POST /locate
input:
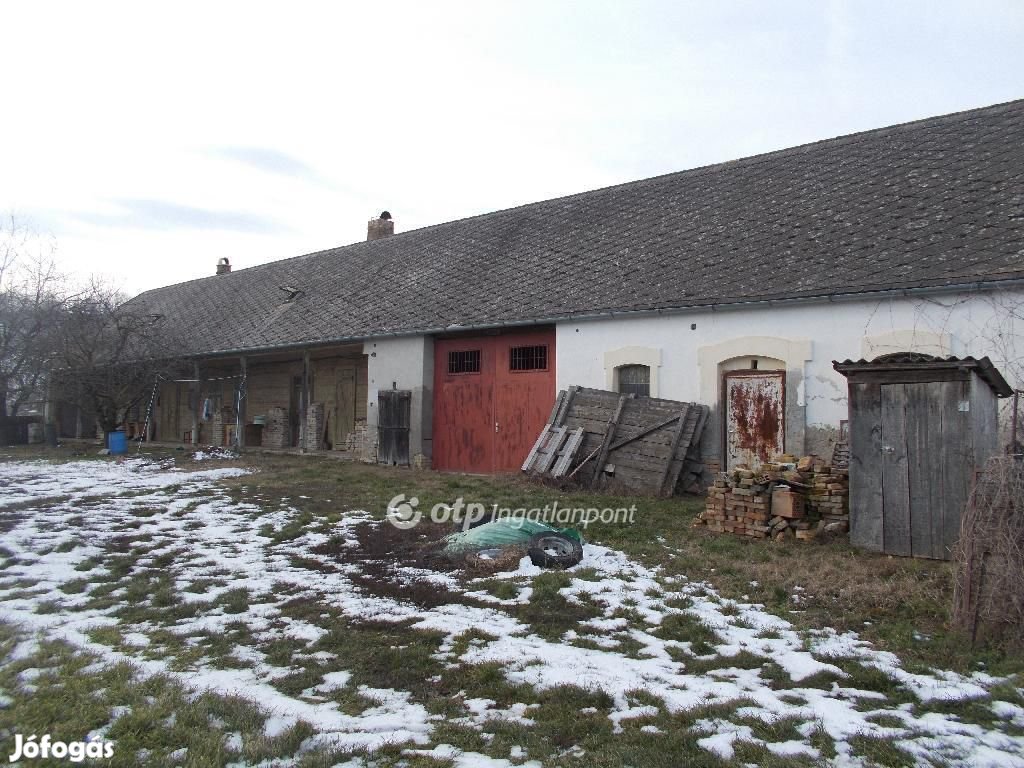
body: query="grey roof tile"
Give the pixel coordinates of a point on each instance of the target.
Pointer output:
(929, 203)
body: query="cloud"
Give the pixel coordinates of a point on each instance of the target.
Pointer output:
(269, 160)
(166, 216)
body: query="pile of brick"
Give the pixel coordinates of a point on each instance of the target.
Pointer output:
(828, 497)
(736, 504)
(784, 499)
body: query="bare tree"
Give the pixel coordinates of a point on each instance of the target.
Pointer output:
(32, 295)
(110, 353)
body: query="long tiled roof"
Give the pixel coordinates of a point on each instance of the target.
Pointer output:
(932, 203)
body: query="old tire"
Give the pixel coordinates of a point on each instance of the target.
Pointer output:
(554, 550)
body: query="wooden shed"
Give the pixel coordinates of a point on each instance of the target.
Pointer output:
(920, 427)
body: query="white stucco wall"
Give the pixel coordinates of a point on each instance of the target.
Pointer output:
(403, 363)
(807, 337)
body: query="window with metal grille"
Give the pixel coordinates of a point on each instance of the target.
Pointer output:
(467, 361)
(635, 380)
(529, 358)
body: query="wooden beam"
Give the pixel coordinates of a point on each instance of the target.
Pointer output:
(197, 392)
(243, 384)
(644, 433)
(672, 454)
(606, 444)
(304, 405)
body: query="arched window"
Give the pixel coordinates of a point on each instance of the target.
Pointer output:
(634, 379)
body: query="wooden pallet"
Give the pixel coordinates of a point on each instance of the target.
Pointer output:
(648, 444)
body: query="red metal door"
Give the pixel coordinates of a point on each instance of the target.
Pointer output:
(755, 424)
(524, 383)
(492, 396)
(464, 404)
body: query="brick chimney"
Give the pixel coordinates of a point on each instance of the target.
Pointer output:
(380, 227)
(223, 266)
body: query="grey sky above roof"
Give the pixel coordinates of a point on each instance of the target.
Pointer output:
(436, 111)
(932, 203)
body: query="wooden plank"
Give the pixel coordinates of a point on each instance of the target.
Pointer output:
(922, 468)
(589, 425)
(953, 453)
(549, 451)
(932, 464)
(865, 466)
(895, 478)
(694, 427)
(667, 472)
(536, 448)
(568, 453)
(556, 408)
(565, 406)
(644, 432)
(609, 435)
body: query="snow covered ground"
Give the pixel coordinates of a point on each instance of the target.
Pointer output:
(227, 558)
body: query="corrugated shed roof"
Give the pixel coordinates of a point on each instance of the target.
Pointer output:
(931, 203)
(984, 367)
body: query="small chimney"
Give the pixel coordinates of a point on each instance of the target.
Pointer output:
(380, 227)
(223, 266)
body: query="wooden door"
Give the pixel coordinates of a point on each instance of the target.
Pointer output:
(755, 423)
(345, 415)
(924, 464)
(492, 397)
(394, 407)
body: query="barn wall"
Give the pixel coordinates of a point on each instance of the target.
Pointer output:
(268, 386)
(808, 337)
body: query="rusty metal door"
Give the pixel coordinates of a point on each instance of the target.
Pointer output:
(755, 423)
(492, 396)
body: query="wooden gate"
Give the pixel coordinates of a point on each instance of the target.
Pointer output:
(755, 423)
(394, 407)
(492, 397)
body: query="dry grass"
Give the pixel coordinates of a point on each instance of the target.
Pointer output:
(989, 603)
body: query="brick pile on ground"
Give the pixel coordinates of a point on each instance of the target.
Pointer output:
(778, 501)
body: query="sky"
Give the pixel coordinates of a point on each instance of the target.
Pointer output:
(149, 140)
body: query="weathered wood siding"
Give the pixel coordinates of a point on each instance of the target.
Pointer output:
(915, 446)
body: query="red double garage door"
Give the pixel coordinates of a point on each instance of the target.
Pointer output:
(492, 397)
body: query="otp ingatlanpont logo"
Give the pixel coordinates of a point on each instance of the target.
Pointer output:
(403, 514)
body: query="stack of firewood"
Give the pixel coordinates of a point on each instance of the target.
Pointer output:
(784, 499)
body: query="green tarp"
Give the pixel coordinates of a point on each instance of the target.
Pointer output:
(509, 532)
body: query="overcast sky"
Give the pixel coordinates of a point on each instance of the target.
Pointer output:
(152, 139)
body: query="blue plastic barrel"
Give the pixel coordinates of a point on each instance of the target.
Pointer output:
(117, 442)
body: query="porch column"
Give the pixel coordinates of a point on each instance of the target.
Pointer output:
(304, 403)
(197, 388)
(240, 416)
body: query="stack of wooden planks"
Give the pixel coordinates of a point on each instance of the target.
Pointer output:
(646, 444)
(779, 500)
